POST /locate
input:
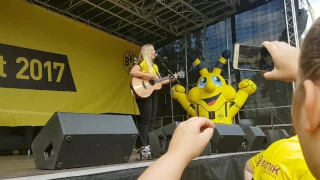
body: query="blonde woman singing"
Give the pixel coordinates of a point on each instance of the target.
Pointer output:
(146, 68)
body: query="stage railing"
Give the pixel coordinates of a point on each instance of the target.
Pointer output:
(282, 124)
(275, 107)
(159, 120)
(275, 125)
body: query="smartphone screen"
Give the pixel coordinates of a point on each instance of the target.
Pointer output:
(254, 58)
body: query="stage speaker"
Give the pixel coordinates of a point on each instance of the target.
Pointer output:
(283, 134)
(157, 141)
(271, 137)
(227, 138)
(246, 123)
(169, 130)
(207, 150)
(254, 138)
(71, 140)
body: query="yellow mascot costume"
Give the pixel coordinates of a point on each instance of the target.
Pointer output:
(212, 97)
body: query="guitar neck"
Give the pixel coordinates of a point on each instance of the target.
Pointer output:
(161, 79)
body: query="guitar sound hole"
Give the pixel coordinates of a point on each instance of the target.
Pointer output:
(151, 82)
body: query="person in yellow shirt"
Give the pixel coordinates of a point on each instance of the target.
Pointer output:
(281, 160)
(147, 69)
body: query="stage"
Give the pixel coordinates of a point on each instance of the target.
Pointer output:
(226, 166)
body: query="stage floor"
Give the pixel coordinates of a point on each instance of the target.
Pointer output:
(22, 167)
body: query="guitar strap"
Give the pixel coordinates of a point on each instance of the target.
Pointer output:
(156, 71)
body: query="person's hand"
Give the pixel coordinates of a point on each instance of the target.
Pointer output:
(285, 58)
(190, 138)
(176, 76)
(152, 76)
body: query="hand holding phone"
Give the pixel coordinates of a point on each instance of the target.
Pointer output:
(285, 58)
(278, 60)
(252, 58)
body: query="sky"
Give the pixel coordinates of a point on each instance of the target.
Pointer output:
(315, 4)
(316, 7)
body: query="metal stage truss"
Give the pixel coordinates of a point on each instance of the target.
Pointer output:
(146, 21)
(291, 23)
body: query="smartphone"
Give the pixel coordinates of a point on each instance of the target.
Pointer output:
(252, 58)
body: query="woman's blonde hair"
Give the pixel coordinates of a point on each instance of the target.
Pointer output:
(309, 63)
(145, 55)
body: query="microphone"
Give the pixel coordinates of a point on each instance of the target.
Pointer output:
(160, 57)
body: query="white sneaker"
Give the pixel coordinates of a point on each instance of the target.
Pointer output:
(146, 151)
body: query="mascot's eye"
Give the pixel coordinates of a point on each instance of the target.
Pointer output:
(216, 80)
(203, 82)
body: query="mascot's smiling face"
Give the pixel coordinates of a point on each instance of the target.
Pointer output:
(208, 89)
(210, 86)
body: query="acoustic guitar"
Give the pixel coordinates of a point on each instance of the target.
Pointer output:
(143, 88)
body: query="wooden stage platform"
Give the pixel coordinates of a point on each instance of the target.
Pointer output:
(22, 167)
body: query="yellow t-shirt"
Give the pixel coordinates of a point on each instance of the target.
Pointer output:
(145, 69)
(282, 160)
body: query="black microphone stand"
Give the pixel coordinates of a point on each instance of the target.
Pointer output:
(170, 73)
(171, 76)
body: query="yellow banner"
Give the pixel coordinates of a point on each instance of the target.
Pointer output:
(50, 63)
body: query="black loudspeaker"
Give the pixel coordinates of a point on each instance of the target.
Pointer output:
(71, 140)
(254, 138)
(271, 137)
(169, 130)
(207, 150)
(227, 138)
(274, 135)
(159, 139)
(283, 134)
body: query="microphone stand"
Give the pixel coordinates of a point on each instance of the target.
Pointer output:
(170, 73)
(171, 76)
